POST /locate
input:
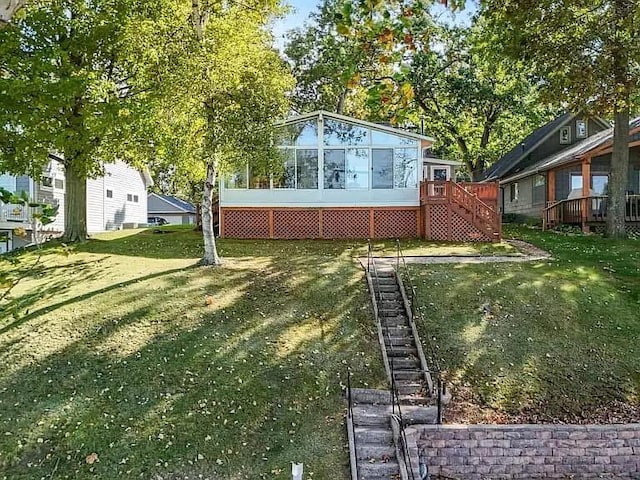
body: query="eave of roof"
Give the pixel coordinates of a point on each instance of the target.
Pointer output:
(512, 158)
(570, 154)
(364, 123)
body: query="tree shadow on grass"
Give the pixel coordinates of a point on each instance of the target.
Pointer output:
(162, 384)
(22, 302)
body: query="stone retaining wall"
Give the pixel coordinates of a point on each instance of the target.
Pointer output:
(531, 451)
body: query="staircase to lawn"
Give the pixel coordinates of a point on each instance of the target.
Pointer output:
(382, 442)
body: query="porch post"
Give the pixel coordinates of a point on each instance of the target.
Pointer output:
(586, 191)
(551, 186)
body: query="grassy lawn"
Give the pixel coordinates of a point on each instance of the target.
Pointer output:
(557, 340)
(418, 247)
(122, 348)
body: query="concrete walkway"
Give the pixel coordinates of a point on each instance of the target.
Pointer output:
(528, 253)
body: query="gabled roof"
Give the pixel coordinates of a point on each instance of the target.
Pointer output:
(176, 202)
(517, 154)
(573, 152)
(364, 123)
(509, 160)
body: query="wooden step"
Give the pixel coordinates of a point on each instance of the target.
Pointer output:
(410, 388)
(395, 321)
(415, 375)
(400, 351)
(404, 340)
(375, 452)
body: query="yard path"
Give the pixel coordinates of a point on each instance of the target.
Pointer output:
(528, 253)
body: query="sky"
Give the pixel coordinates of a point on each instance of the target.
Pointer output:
(300, 10)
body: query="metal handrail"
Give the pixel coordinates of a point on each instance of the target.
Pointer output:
(395, 396)
(417, 312)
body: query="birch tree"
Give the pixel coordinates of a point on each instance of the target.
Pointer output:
(219, 100)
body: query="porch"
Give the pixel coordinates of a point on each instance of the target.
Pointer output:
(460, 212)
(12, 216)
(589, 212)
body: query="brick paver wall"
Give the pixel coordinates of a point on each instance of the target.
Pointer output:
(531, 451)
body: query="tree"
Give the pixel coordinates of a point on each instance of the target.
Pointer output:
(476, 103)
(67, 84)
(216, 109)
(587, 53)
(323, 63)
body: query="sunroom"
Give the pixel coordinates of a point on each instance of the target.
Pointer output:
(341, 178)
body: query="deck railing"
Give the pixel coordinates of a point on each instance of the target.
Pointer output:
(10, 212)
(587, 210)
(481, 214)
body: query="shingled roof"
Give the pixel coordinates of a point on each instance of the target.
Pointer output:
(511, 159)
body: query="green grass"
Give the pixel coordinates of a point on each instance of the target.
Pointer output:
(555, 340)
(114, 350)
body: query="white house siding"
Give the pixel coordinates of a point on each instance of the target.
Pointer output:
(110, 213)
(319, 198)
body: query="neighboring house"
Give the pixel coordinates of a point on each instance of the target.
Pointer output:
(172, 209)
(116, 200)
(347, 178)
(560, 173)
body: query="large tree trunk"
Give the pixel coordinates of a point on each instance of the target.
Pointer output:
(210, 251)
(619, 176)
(75, 204)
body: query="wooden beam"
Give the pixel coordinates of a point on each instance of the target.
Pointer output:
(372, 219)
(586, 177)
(551, 186)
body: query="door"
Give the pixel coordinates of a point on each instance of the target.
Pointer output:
(438, 173)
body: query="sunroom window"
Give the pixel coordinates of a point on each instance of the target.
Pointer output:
(382, 168)
(307, 168)
(342, 133)
(286, 178)
(357, 168)
(405, 167)
(334, 169)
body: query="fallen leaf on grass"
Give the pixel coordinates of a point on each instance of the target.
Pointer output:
(92, 458)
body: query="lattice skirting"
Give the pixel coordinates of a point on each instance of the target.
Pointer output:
(458, 229)
(285, 223)
(631, 228)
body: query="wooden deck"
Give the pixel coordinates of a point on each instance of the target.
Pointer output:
(587, 211)
(460, 211)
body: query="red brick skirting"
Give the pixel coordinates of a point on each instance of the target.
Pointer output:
(531, 451)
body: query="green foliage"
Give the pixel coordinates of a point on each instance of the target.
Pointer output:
(327, 64)
(45, 213)
(68, 85)
(573, 46)
(477, 103)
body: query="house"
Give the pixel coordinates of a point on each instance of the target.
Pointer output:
(560, 173)
(347, 178)
(173, 209)
(118, 199)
